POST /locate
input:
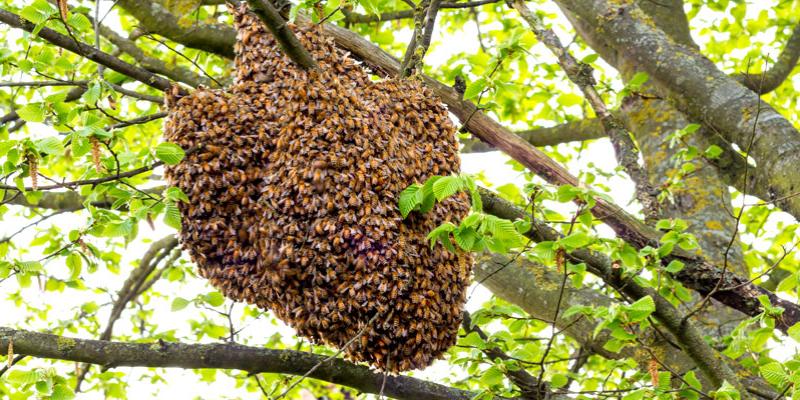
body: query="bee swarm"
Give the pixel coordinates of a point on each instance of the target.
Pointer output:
(293, 186)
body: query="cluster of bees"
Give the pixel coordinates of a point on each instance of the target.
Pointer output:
(293, 184)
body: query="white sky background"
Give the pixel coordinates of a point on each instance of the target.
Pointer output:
(186, 384)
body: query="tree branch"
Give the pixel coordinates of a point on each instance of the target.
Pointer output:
(699, 89)
(132, 288)
(586, 129)
(214, 38)
(355, 18)
(772, 78)
(531, 387)
(277, 25)
(254, 360)
(87, 51)
(690, 338)
(581, 75)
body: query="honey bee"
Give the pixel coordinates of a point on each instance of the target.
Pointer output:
(299, 227)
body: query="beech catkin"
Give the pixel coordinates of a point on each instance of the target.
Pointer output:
(33, 170)
(96, 154)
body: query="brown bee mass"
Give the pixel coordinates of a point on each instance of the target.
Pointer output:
(293, 181)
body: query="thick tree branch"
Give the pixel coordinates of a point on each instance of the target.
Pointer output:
(355, 18)
(176, 73)
(128, 46)
(586, 129)
(689, 337)
(778, 72)
(214, 38)
(87, 51)
(268, 14)
(581, 75)
(531, 387)
(254, 360)
(131, 289)
(703, 92)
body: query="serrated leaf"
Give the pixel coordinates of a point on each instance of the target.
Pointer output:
(576, 240)
(118, 228)
(23, 378)
(80, 22)
(32, 112)
(172, 215)
(50, 145)
(447, 186)
(465, 238)
(62, 392)
(176, 194)
(409, 199)
(641, 309)
(29, 267)
(774, 374)
(475, 88)
(169, 153)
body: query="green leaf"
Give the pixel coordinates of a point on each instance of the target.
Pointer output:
(75, 264)
(79, 21)
(169, 153)
(692, 380)
(50, 145)
(179, 303)
(465, 238)
(23, 378)
(774, 374)
(410, 198)
(570, 99)
(475, 88)
(176, 194)
(558, 380)
(214, 299)
(590, 58)
(172, 215)
(635, 395)
(638, 79)
(442, 230)
(713, 152)
(674, 266)
(472, 340)
(118, 228)
(427, 199)
(92, 93)
(62, 392)
(492, 377)
(794, 332)
(575, 240)
(726, 392)
(38, 12)
(447, 186)
(641, 309)
(32, 112)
